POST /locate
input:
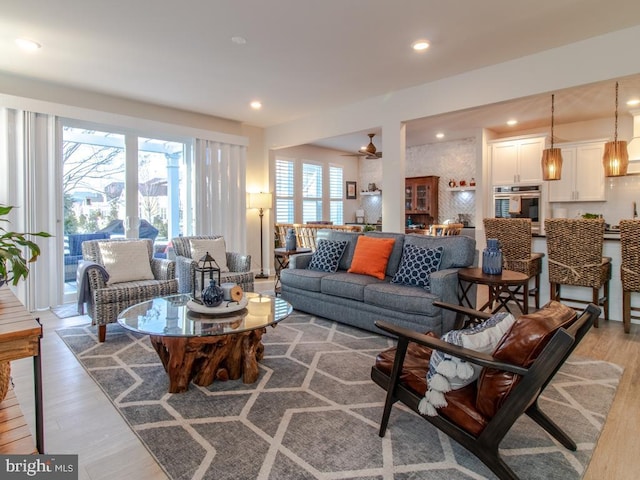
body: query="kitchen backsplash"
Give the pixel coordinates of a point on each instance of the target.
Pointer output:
(448, 160)
(621, 193)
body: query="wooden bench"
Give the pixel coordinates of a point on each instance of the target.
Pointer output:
(20, 336)
(15, 436)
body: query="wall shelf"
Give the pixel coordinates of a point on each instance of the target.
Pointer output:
(375, 192)
(461, 189)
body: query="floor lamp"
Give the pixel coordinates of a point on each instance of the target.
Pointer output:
(261, 201)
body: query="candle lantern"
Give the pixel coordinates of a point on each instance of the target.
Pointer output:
(202, 273)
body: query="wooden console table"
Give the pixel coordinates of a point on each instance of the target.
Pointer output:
(20, 336)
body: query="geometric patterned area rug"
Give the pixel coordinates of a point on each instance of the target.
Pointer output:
(314, 412)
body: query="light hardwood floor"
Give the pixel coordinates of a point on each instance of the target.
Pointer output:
(79, 419)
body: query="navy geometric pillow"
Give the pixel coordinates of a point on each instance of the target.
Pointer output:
(327, 255)
(417, 265)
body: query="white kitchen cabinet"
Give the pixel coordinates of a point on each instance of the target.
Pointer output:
(582, 178)
(517, 161)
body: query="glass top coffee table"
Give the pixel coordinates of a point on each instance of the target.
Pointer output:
(202, 347)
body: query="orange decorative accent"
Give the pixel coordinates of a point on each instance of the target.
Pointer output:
(371, 256)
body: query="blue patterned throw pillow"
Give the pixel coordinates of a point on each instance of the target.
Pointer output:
(417, 265)
(327, 255)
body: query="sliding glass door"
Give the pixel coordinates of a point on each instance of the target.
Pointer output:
(118, 185)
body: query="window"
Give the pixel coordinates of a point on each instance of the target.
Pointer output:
(284, 191)
(311, 192)
(308, 192)
(336, 194)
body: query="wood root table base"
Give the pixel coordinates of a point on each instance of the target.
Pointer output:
(205, 359)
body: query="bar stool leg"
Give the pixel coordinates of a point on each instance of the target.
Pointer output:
(595, 298)
(537, 294)
(606, 300)
(626, 310)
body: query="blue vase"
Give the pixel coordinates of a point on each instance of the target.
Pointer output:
(290, 240)
(213, 295)
(492, 257)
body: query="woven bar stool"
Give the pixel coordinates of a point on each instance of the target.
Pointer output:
(514, 235)
(574, 247)
(630, 268)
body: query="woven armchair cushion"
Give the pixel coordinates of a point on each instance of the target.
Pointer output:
(520, 346)
(215, 247)
(126, 261)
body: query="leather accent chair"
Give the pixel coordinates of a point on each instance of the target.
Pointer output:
(479, 415)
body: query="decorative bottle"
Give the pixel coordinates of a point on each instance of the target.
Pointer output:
(290, 240)
(492, 257)
(212, 295)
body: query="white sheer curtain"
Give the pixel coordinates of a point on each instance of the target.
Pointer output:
(220, 193)
(28, 181)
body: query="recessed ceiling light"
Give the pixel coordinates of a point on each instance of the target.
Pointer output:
(28, 45)
(256, 105)
(239, 40)
(439, 135)
(511, 123)
(634, 102)
(420, 45)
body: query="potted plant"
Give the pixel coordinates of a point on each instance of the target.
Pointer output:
(13, 265)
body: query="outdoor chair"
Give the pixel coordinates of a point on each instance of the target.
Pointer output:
(479, 415)
(144, 278)
(514, 235)
(74, 256)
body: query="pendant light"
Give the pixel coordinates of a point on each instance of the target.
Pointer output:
(551, 157)
(616, 156)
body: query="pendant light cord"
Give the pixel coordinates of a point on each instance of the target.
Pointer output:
(615, 137)
(552, 111)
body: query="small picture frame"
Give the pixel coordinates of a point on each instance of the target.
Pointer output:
(352, 192)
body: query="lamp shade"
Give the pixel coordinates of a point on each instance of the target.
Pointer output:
(551, 164)
(615, 159)
(260, 200)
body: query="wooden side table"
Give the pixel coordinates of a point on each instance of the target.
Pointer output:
(281, 260)
(500, 291)
(20, 336)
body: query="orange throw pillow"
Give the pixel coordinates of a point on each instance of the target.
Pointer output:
(371, 256)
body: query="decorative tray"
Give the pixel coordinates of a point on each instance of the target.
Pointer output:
(222, 309)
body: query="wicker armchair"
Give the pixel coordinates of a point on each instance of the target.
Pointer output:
(107, 301)
(574, 247)
(630, 268)
(239, 265)
(514, 235)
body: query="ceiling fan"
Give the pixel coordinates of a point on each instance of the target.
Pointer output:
(369, 152)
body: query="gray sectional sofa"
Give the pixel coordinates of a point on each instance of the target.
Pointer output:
(359, 300)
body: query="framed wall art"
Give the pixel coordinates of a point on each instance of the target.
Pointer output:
(352, 192)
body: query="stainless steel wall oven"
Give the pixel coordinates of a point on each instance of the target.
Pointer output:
(518, 201)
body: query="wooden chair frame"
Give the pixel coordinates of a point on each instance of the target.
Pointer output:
(523, 398)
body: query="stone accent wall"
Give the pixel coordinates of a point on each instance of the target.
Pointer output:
(448, 160)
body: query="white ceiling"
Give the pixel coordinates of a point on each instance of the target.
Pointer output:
(303, 56)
